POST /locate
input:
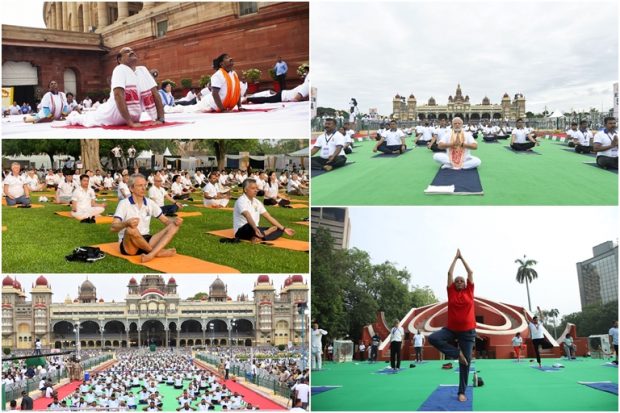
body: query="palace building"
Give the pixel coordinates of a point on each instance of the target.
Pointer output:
(152, 312)
(458, 105)
(179, 40)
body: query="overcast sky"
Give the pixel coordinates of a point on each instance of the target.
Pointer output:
(563, 55)
(28, 13)
(114, 286)
(425, 240)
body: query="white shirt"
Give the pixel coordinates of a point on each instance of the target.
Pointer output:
(303, 392)
(211, 191)
(613, 332)
(396, 334)
(127, 209)
(218, 80)
(123, 191)
(32, 181)
(254, 207)
(316, 338)
(517, 341)
(441, 132)
(176, 188)
(158, 195)
(605, 138)
(271, 190)
(329, 143)
(520, 135)
(54, 103)
(303, 90)
(393, 137)
(537, 330)
(427, 133)
(108, 182)
(83, 198)
(50, 179)
(583, 137)
(15, 184)
(469, 139)
(418, 340)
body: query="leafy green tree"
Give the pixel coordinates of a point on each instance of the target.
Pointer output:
(49, 147)
(199, 296)
(421, 296)
(526, 274)
(594, 319)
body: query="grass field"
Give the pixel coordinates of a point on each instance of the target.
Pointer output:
(37, 241)
(509, 386)
(556, 177)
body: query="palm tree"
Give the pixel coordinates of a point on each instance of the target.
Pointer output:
(525, 274)
(554, 313)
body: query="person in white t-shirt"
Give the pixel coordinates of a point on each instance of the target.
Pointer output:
(438, 133)
(50, 179)
(122, 190)
(178, 190)
(159, 195)
(458, 144)
(272, 194)
(606, 145)
(302, 392)
(517, 342)
(582, 138)
(316, 346)
(573, 139)
(246, 217)
(108, 182)
(133, 91)
(83, 202)
(424, 134)
(537, 334)
(213, 198)
(613, 339)
(396, 339)
(32, 180)
(53, 106)
(132, 221)
(392, 141)
(523, 139)
(418, 344)
(15, 188)
(330, 144)
(295, 186)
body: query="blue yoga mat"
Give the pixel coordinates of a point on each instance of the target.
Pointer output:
(603, 386)
(546, 368)
(444, 398)
(389, 370)
(613, 365)
(532, 152)
(317, 172)
(465, 181)
(594, 164)
(573, 151)
(322, 389)
(391, 155)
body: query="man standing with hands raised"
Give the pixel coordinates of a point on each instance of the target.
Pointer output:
(461, 323)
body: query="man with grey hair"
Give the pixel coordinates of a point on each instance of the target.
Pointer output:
(458, 145)
(132, 221)
(15, 187)
(461, 323)
(247, 213)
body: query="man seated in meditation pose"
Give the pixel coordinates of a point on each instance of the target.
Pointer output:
(83, 202)
(32, 180)
(522, 138)
(331, 144)
(64, 193)
(132, 221)
(392, 140)
(606, 145)
(54, 106)
(582, 138)
(212, 197)
(159, 195)
(15, 188)
(246, 217)
(424, 134)
(133, 91)
(458, 145)
(438, 133)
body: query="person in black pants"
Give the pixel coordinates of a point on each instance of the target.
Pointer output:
(537, 334)
(330, 144)
(522, 138)
(374, 347)
(396, 340)
(606, 145)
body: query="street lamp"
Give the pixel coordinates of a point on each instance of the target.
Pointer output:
(232, 325)
(211, 327)
(76, 330)
(302, 309)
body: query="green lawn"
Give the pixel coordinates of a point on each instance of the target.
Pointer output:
(508, 386)
(37, 241)
(556, 177)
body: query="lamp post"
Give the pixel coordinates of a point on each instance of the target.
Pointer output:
(232, 325)
(211, 327)
(76, 330)
(302, 309)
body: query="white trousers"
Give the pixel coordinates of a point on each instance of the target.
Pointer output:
(470, 163)
(87, 212)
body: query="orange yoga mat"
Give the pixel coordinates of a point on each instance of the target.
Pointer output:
(217, 209)
(306, 223)
(181, 264)
(4, 228)
(289, 244)
(297, 206)
(183, 214)
(31, 205)
(98, 220)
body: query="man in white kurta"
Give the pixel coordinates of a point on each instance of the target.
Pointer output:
(458, 145)
(133, 91)
(212, 198)
(316, 346)
(83, 205)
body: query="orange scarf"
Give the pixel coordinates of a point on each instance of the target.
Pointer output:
(457, 153)
(232, 93)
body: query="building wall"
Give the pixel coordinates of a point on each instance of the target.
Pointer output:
(336, 221)
(598, 276)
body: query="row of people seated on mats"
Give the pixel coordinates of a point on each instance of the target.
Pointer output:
(180, 183)
(603, 142)
(134, 383)
(134, 90)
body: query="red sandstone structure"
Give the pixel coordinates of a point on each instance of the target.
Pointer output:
(179, 39)
(497, 324)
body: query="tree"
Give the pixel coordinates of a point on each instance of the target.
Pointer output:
(89, 149)
(593, 319)
(199, 296)
(49, 147)
(526, 274)
(552, 314)
(421, 296)
(222, 147)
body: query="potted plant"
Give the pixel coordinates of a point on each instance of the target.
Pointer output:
(302, 69)
(204, 81)
(252, 76)
(187, 85)
(276, 84)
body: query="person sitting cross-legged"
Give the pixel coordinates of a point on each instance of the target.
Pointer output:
(83, 202)
(458, 144)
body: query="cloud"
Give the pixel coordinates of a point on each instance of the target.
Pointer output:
(550, 51)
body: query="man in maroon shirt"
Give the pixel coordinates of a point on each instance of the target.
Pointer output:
(461, 323)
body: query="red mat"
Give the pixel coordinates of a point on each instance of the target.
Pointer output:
(245, 109)
(42, 402)
(143, 126)
(249, 396)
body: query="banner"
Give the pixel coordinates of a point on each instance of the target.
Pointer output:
(7, 97)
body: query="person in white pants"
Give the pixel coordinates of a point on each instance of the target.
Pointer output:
(316, 346)
(458, 145)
